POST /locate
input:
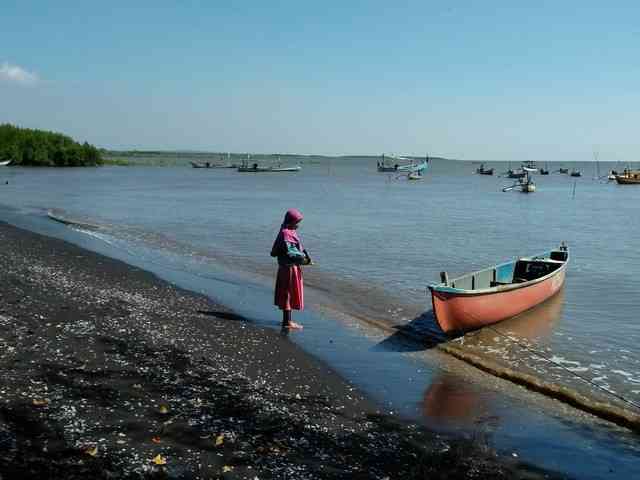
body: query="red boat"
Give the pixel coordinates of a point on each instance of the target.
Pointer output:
(499, 292)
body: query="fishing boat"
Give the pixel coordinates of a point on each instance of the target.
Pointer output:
(563, 170)
(530, 167)
(628, 177)
(575, 173)
(484, 171)
(384, 166)
(498, 292)
(516, 173)
(524, 185)
(5, 163)
(411, 166)
(255, 168)
(544, 171)
(211, 165)
(527, 185)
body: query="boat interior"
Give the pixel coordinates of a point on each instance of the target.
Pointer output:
(521, 270)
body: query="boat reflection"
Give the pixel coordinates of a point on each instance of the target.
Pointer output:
(451, 401)
(537, 323)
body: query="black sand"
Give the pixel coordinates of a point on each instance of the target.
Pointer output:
(105, 367)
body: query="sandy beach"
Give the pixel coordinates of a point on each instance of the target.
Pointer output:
(110, 372)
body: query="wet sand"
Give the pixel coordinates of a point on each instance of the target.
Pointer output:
(110, 372)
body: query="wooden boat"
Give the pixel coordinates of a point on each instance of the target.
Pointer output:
(524, 184)
(412, 166)
(385, 166)
(628, 177)
(211, 165)
(484, 171)
(527, 185)
(516, 173)
(5, 163)
(499, 292)
(254, 168)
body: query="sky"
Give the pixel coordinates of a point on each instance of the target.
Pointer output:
(474, 80)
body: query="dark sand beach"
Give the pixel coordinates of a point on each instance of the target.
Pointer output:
(110, 372)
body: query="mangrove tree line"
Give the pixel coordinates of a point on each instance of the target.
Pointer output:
(25, 146)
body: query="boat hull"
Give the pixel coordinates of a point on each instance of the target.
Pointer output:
(468, 310)
(627, 180)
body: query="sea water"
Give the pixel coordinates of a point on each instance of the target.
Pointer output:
(377, 241)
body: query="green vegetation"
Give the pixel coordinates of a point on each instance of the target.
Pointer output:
(24, 146)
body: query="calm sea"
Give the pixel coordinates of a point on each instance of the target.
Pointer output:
(378, 240)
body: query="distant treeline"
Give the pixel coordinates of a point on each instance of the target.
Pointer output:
(25, 146)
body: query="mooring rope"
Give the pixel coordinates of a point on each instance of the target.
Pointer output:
(581, 377)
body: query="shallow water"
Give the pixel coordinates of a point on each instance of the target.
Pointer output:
(378, 241)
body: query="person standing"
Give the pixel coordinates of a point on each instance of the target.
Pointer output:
(289, 289)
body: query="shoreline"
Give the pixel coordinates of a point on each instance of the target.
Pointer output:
(107, 367)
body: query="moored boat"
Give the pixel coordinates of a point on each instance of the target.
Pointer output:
(516, 173)
(563, 170)
(255, 168)
(575, 173)
(5, 163)
(498, 292)
(484, 171)
(628, 177)
(527, 185)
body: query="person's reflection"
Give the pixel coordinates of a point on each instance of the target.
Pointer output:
(449, 398)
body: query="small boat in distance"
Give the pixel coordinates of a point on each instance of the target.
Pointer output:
(211, 165)
(527, 184)
(563, 170)
(412, 166)
(524, 184)
(484, 171)
(530, 167)
(5, 163)
(415, 176)
(516, 173)
(498, 292)
(628, 177)
(575, 173)
(245, 167)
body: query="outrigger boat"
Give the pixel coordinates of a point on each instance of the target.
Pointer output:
(524, 184)
(498, 292)
(412, 166)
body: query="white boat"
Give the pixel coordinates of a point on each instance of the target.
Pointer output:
(5, 163)
(297, 168)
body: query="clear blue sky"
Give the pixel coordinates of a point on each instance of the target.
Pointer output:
(499, 80)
